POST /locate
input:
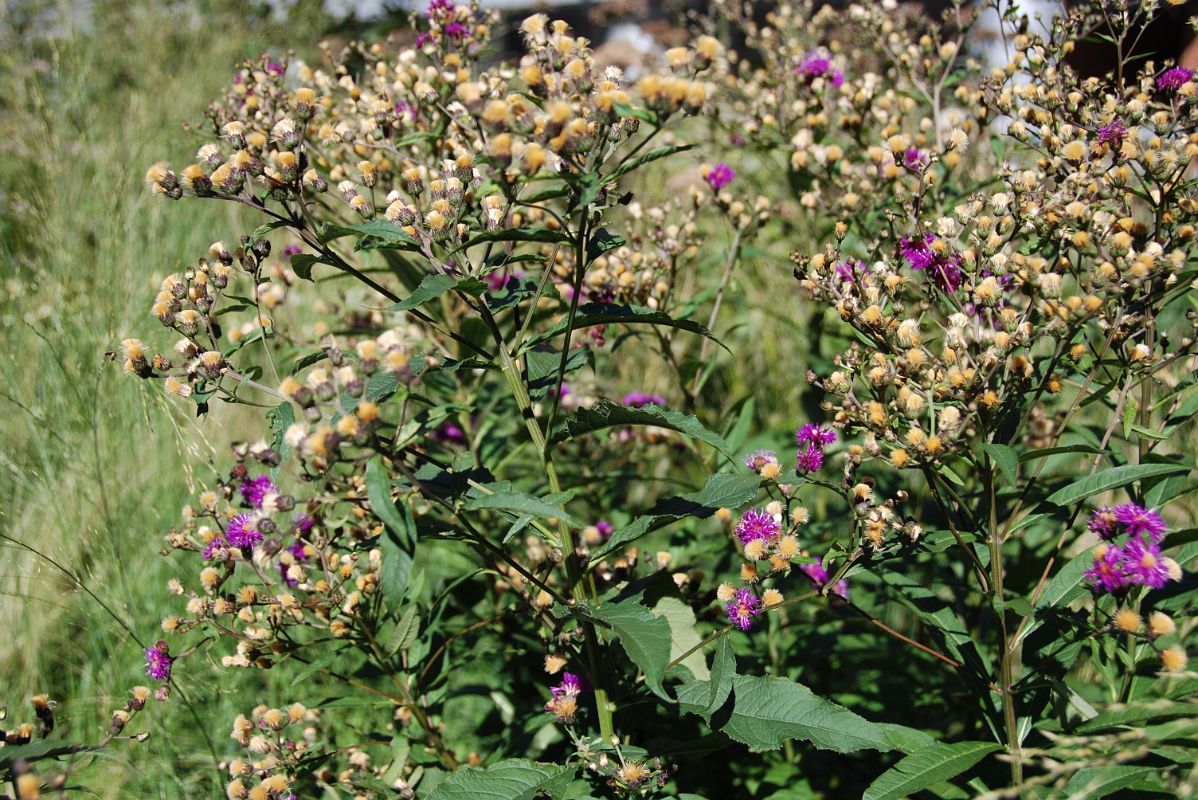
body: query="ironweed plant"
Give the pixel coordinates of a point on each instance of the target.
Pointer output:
(488, 569)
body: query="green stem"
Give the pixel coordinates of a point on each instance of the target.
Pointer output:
(1006, 654)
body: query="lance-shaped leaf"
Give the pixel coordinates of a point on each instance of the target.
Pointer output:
(520, 504)
(612, 314)
(606, 414)
(720, 491)
(1111, 479)
(927, 767)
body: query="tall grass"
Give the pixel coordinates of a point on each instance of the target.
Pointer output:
(93, 466)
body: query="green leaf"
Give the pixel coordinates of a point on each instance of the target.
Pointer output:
(1006, 460)
(647, 157)
(378, 491)
(47, 748)
(518, 235)
(766, 712)
(513, 779)
(431, 287)
(302, 263)
(719, 491)
(406, 630)
(926, 767)
(606, 414)
(1111, 479)
(626, 110)
(1034, 455)
(381, 234)
(261, 231)
(613, 314)
(723, 671)
(683, 636)
(603, 241)
(519, 503)
(644, 636)
(280, 418)
(1091, 783)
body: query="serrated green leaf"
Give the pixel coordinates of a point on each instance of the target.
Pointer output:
(1006, 460)
(719, 491)
(648, 157)
(1111, 479)
(683, 636)
(644, 636)
(381, 234)
(302, 263)
(926, 767)
(766, 712)
(613, 314)
(432, 286)
(518, 235)
(519, 503)
(280, 418)
(513, 779)
(1091, 783)
(606, 414)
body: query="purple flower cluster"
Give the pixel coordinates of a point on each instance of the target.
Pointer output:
(243, 532)
(757, 525)
(255, 490)
(812, 439)
(1135, 562)
(820, 577)
(1173, 79)
(945, 267)
(159, 661)
(1112, 133)
(742, 608)
(564, 703)
(817, 65)
(640, 399)
(720, 176)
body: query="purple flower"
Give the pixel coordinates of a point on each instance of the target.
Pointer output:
(571, 686)
(158, 661)
(1140, 521)
(1172, 79)
(809, 460)
(945, 267)
(292, 250)
(849, 269)
(217, 544)
(605, 528)
(441, 9)
(742, 608)
(913, 159)
(639, 399)
(759, 459)
(720, 176)
(423, 39)
(457, 31)
(1106, 574)
(756, 525)
(820, 577)
(275, 68)
(448, 433)
(818, 435)
(1142, 564)
(816, 65)
(242, 533)
(1104, 523)
(1112, 133)
(254, 490)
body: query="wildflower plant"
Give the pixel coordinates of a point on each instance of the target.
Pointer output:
(446, 517)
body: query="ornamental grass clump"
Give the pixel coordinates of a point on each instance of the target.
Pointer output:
(504, 529)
